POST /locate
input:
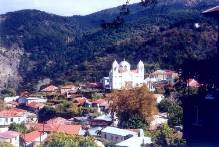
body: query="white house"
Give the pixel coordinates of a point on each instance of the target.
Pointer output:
(10, 99)
(135, 142)
(164, 75)
(121, 76)
(11, 137)
(159, 76)
(12, 115)
(117, 135)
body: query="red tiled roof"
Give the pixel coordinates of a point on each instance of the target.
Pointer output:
(80, 100)
(60, 128)
(9, 134)
(57, 120)
(13, 112)
(193, 83)
(35, 105)
(101, 102)
(30, 137)
(70, 129)
(50, 88)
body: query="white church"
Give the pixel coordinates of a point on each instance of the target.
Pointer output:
(121, 76)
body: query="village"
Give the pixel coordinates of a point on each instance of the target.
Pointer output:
(90, 110)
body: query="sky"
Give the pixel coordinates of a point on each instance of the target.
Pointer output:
(61, 7)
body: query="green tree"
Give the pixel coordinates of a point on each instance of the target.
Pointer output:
(175, 114)
(165, 136)
(64, 140)
(8, 92)
(5, 144)
(135, 122)
(18, 127)
(164, 105)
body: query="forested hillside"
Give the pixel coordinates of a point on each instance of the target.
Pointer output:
(36, 45)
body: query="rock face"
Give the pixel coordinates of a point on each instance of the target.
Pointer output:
(9, 67)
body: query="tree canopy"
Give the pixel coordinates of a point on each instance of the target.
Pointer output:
(138, 102)
(64, 140)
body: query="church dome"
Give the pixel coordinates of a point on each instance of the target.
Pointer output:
(124, 63)
(124, 66)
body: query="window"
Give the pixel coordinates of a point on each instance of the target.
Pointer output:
(19, 119)
(6, 120)
(11, 119)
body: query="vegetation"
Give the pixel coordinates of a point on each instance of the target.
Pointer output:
(8, 92)
(5, 144)
(175, 115)
(64, 140)
(164, 105)
(135, 122)
(128, 104)
(165, 136)
(21, 128)
(174, 111)
(77, 48)
(2, 105)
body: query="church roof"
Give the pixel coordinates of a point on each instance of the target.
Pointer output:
(124, 63)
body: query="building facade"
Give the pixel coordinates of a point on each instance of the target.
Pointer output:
(121, 76)
(11, 137)
(10, 116)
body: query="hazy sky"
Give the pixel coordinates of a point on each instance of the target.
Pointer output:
(61, 7)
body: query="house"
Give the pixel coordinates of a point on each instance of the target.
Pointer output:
(150, 83)
(34, 138)
(68, 89)
(101, 103)
(164, 75)
(58, 128)
(35, 106)
(135, 141)
(121, 76)
(12, 115)
(27, 100)
(11, 137)
(59, 125)
(117, 135)
(10, 99)
(12, 104)
(50, 89)
(94, 85)
(79, 101)
(160, 78)
(193, 83)
(94, 131)
(58, 120)
(103, 121)
(83, 120)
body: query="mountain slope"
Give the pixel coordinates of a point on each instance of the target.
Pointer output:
(36, 45)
